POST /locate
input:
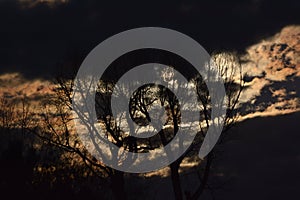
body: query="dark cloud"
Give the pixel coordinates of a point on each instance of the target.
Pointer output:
(37, 40)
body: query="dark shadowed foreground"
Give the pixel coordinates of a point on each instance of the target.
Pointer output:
(263, 159)
(260, 160)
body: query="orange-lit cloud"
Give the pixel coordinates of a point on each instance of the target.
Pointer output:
(274, 65)
(33, 3)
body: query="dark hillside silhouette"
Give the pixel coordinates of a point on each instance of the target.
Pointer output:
(262, 159)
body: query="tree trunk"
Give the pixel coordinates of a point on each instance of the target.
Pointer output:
(176, 180)
(174, 166)
(205, 177)
(118, 186)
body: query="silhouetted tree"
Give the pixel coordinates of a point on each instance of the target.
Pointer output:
(57, 127)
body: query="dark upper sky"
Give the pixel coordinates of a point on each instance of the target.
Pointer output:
(38, 40)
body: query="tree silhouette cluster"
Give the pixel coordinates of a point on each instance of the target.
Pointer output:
(41, 149)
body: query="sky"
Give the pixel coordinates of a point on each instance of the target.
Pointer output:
(38, 37)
